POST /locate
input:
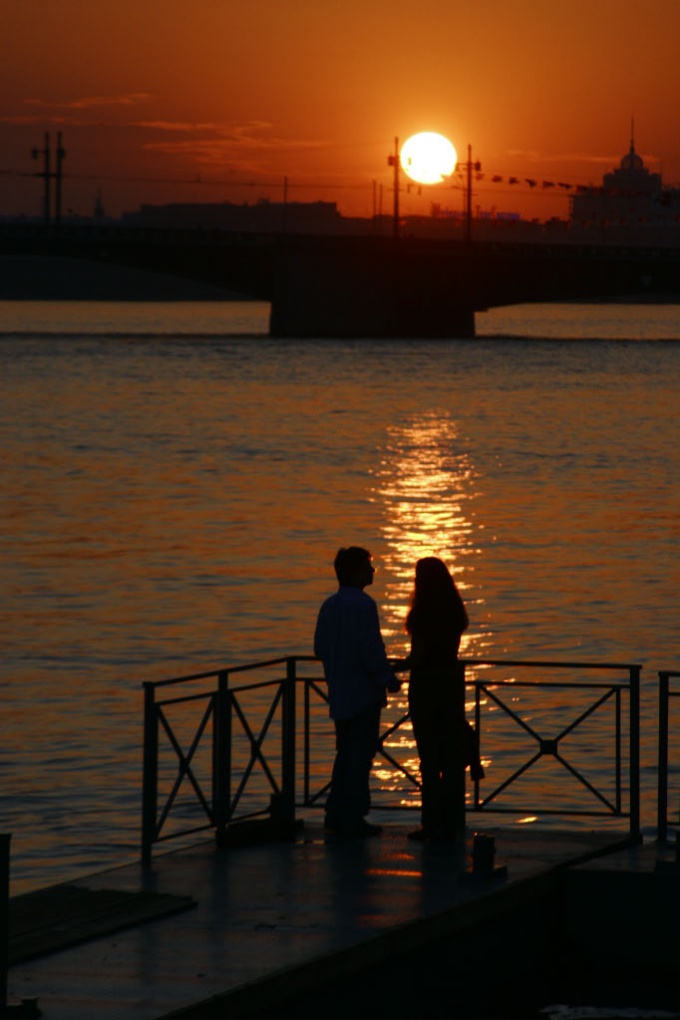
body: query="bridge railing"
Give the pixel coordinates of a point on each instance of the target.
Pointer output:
(669, 693)
(240, 746)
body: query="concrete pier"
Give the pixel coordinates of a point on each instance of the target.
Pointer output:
(316, 928)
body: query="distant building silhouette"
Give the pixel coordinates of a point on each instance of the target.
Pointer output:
(268, 217)
(631, 204)
(261, 217)
(99, 211)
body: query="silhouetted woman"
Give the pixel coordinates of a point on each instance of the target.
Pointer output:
(446, 742)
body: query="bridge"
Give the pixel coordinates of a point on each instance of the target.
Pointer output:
(354, 286)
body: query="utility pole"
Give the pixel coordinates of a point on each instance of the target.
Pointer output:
(47, 174)
(469, 167)
(393, 161)
(285, 205)
(61, 152)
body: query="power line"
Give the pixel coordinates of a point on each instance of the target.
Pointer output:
(517, 181)
(203, 182)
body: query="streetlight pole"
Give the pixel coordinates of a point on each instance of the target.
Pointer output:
(61, 152)
(393, 161)
(47, 174)
(469, 167)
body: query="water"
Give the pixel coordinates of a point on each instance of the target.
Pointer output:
(176, 485)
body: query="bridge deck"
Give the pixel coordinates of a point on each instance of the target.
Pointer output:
(355, 286)
(284, 918)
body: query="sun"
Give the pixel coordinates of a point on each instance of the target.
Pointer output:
(428, 157)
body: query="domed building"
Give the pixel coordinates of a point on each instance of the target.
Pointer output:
(630, 205)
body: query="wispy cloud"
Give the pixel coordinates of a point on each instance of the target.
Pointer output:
(254, 135)
(242, 146)
(175, 126)
(249, 147)
(83, 111)
(21, 119)
(533, 156)
(92, 102)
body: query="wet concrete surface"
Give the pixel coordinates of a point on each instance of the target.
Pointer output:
(285, 918)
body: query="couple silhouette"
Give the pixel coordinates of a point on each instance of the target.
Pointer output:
(359, 676)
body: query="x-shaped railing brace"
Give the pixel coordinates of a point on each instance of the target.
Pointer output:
(185, 764)
(255, 748)
(549, 747)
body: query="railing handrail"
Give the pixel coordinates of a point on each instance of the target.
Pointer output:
(551, 664)
(399, 665)
(396, 663)
(222, 702)
(244, 667)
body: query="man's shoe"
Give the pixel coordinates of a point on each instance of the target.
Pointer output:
(368, 829)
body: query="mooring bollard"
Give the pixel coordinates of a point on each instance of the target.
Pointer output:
(483, 853)
(484, 867)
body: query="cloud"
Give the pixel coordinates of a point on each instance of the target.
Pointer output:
(254, 148)
(533, 156)
(93, 102)
(175, 126)
(66, 113)
(26, 119)
(252, 136)
(243, 147)
(202, 137)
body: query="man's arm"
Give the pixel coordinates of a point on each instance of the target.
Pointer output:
(373, 650)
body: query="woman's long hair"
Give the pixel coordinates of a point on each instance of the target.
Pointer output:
(435, 601)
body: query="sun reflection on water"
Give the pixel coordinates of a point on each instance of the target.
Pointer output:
(426, 484)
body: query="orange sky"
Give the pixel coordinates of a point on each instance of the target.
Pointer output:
(241, 95)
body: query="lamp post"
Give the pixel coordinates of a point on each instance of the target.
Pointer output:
(47, 174)
(469, 166)
(60, 153)
(393, 161)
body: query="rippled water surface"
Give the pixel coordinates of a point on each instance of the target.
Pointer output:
(175, 485)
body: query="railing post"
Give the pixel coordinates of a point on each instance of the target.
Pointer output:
(478, 731)
(617, 745)
(459, 805)
(286, 809)
(150, 772)
(307, 745)
(222, 754)
(634, 754)
(4, 915)
(662, 771)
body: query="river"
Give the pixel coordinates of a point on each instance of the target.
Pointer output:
(176, 484)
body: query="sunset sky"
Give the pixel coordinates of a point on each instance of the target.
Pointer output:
(217, 100)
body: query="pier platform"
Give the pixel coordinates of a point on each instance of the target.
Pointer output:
(318, 928)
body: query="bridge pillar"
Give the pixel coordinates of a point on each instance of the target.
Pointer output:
(348, 288)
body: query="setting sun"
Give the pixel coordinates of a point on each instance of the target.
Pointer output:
(428, 158)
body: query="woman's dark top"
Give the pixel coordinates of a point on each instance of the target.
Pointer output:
(436, 630)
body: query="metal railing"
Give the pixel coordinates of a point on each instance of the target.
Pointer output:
(259, 736)
(5, 839)
(666, 695)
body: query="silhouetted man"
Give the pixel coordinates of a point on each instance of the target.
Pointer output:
(349, 642)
